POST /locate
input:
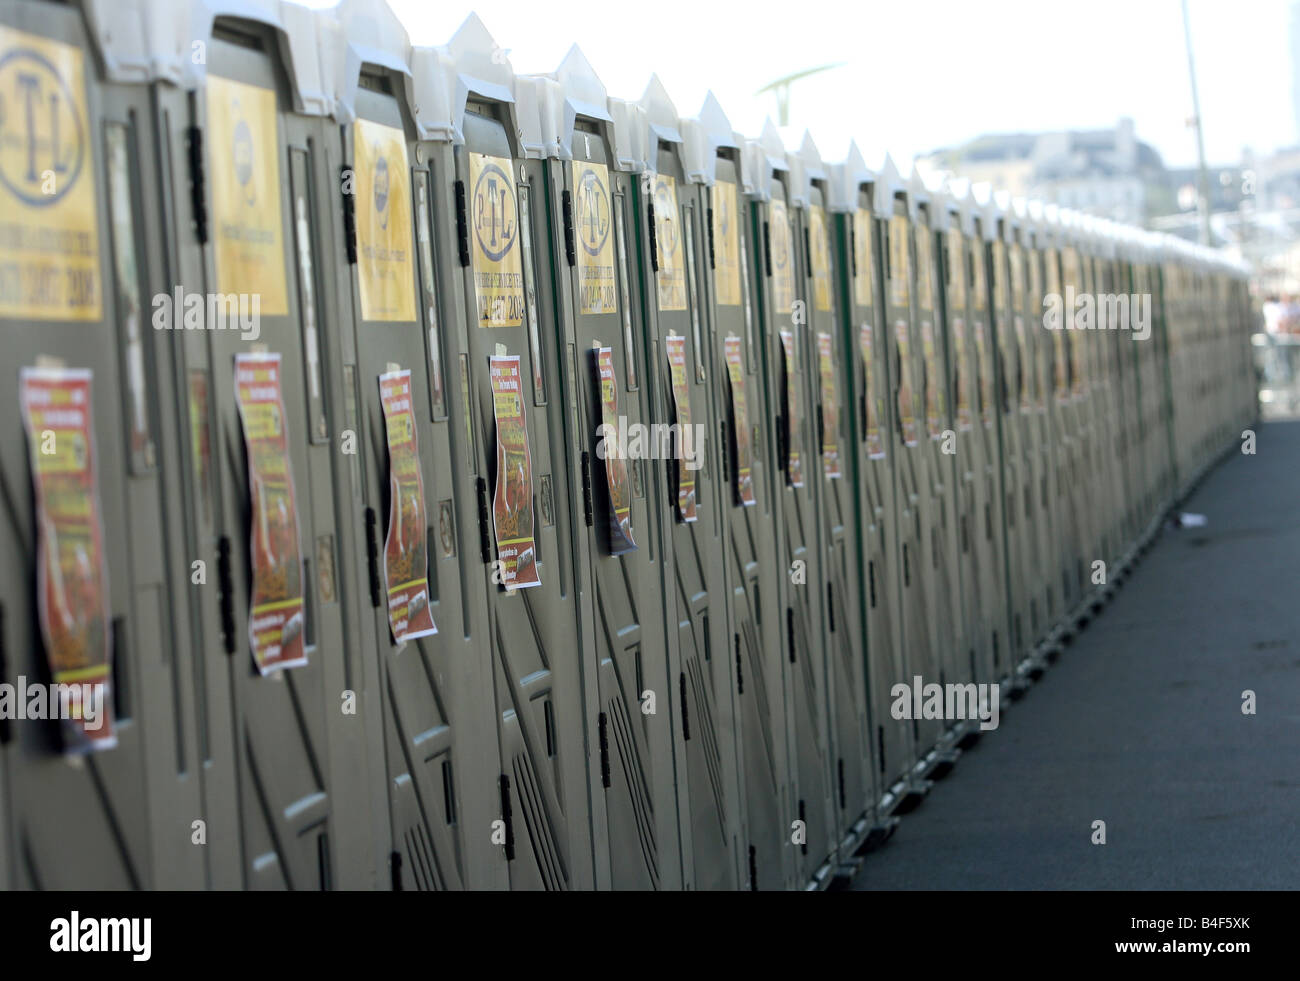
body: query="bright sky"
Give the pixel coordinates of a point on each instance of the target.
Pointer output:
(921, 75)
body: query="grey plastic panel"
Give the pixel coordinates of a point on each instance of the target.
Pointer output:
(83, 823)
(633, 650)
(874, 452)
(939, 541)
(799, 532)
(841, 586)
(435, 692)
(754, 572)
(708, 778)
(540, 641)
(280, 723)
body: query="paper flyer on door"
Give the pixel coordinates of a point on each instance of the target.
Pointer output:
(675, 346)
(617, 486)
(512, 501)
(742, 452)
(406, 556)
(71, 572)
(866, 341)
(276, 617)
(793, 460)
(830, 408)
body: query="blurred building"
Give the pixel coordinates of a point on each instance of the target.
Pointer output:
(1266, 226)
(1107, 172)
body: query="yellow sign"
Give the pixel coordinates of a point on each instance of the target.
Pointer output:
(862, 257)
(820, 247)
(597, 288)
(1017, 276)
(671, 281)
(244, 152)
(899, 260)
(726, 244)
(978, 283)
(49, 240)
(924, 269)
(494, 228)
(782, 258)
(1035, 298)
(999, 276)
(956, 271)
(382, 187)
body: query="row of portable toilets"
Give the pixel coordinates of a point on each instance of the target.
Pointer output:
(334, 366)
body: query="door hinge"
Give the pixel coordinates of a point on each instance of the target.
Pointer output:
(484, 539)
(349, 214)
(121, 701)
(654, 239)
(462, 225)
(604, 751)
(724, 456)
(740, 677)
(566, 207)
(712, 264)
(767, 249)
(372, 555)
(686, 725)
(586, 487)
(198, 185)
(789, 630)
(225, 595)
(508, 818)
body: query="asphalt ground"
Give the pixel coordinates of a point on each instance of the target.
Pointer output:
(1139, 723)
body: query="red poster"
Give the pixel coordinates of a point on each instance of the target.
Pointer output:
(742, 455)
(618, 493)
(275, 621)
(793, 461)
(406, 557)
(512, 503)
(686, 503)
(875, 446)
(71, 577)
(830, 408)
